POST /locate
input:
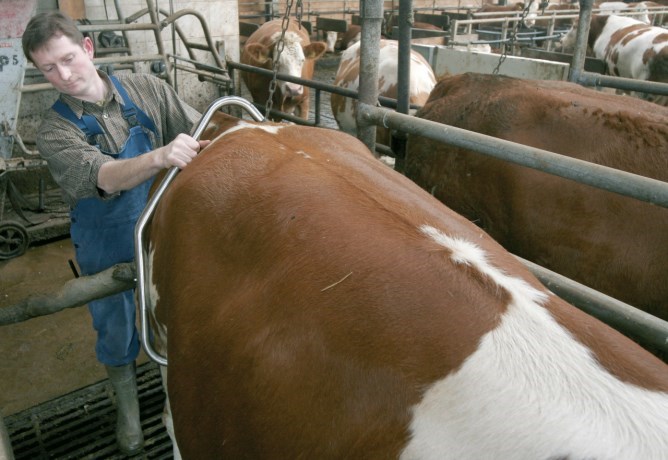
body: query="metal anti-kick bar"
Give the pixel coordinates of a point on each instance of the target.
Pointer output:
(140, 250)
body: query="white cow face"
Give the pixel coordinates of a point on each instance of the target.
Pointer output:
(331, 40)
(530, 19)
(290, 62)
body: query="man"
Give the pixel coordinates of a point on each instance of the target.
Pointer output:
(104, 140)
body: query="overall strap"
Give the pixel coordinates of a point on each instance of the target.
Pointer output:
(87, 123)
(133, 114)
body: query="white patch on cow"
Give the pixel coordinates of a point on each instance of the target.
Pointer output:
(422, 79)
(304, 154)
(638, 11)
(532, 391)
(271, 129)
(153, 299)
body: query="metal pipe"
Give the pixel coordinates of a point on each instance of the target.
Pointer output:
(628, 84)
(385, 101)
(404, 64)
(622, 182)
(580, 51)
(142, 222)
(372, 19)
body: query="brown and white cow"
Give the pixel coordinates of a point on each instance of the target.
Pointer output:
(614, 244)
(321, 305)
(630, 49)
(296, 59)
(422, 81)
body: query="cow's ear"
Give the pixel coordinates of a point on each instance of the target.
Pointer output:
(315, 50)
(258, 52)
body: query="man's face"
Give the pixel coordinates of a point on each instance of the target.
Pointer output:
(68, 66)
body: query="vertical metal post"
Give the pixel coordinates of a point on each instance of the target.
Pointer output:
(398, 142)
(580, 51)
(404, 67)
(372, 19)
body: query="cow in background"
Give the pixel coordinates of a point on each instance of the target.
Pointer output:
(556, 9)
(297, 59)
(637, 10)
(351, 36)
(511, 10)
(316, 304)
(422, 81)
(337, 41)
(630, 49)
(609, 242)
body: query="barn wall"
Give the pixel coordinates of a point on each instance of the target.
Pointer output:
(251, 11)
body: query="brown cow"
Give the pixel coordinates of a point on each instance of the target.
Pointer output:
(322, 306)
(297, 59)
(612, 243)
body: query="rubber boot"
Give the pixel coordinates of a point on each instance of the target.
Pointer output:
(129, 434)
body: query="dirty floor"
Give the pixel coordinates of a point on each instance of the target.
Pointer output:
(46, 357)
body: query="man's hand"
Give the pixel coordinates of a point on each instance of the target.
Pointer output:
(181, 151)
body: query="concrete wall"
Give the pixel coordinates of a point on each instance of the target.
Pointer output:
(449, 61)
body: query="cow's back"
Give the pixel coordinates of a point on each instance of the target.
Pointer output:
(609, 242)
(321, 305)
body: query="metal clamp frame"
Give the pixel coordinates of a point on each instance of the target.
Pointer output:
(140, 250)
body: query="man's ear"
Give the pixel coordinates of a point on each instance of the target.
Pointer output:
(88, 47)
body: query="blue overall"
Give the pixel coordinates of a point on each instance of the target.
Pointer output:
(103, 235)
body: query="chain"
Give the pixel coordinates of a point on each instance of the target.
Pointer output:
(299, 12)
(280, 45)
(513, 37)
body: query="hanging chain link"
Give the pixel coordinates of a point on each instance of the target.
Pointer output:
(299, 12)
(280, 45)
(513, 37)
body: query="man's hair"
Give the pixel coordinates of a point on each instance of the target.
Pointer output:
(44, 26)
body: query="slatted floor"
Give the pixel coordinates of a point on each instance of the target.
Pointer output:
(81, 424)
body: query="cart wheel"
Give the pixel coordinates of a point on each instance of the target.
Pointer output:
(14, 240)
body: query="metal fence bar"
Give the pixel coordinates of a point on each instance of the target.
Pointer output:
(613, 180)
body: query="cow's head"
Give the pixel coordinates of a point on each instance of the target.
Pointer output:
(530, 18)
(290, 61)
(567, 41)
(331, 39)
